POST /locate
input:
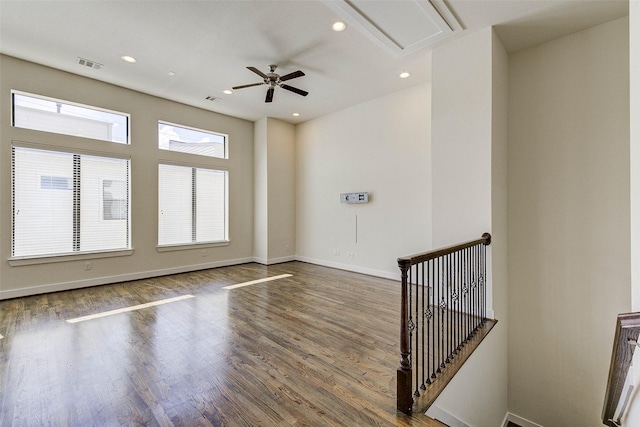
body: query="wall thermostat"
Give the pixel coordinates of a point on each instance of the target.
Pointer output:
(354, 198)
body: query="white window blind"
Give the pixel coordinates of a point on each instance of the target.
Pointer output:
(192, 205)
(58, 203)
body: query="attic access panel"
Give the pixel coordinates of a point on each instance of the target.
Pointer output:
(400, 27)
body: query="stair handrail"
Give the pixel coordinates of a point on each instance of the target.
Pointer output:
(624, 345)
(426, 256)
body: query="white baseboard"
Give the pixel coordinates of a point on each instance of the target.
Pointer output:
(522, 422)
(96, 281)
(272, 261)
(444, 417)
(66, 286)
(352, 268)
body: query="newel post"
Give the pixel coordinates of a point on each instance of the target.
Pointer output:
(405, 399)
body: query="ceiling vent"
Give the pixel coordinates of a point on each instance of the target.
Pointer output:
(212, 98)
(89, 63)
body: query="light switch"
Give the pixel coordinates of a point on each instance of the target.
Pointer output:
(354, 198)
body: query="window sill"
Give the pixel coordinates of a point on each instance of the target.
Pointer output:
(49, 259)
(169, 248)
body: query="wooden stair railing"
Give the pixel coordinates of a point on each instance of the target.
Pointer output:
(624, 345)
(443, 306)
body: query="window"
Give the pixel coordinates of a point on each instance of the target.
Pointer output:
(190, 140)
(55, 183)
(114, 200)
(192, 205)
(53, 115)
(65, 203)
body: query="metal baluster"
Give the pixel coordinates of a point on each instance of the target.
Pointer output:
(465, 293)
(473, 290)
(434, 283)
(478, 278)
(474, 294)
(428, 316)
(416, 393)
(423, 314)
(443, 348)
(470, 302)
(411, 325)
(448, 308)
(436, 336)
(458, 292)
(484, 283)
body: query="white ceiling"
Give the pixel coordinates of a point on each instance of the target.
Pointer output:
(209, 44)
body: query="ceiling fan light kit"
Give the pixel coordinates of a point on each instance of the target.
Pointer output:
(273, 80)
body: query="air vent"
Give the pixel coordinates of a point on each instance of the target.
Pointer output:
(89, 63)
(212, 98)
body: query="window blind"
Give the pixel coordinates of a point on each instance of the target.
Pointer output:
(192, 205)
(58, 203)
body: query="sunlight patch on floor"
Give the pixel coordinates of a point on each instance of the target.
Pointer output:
(255, 282)
(127, 309)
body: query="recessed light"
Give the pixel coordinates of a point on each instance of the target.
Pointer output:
(227, 91)
(128, 58)
(171, 73)
(404, 75)
(296, 114)
(339, 26)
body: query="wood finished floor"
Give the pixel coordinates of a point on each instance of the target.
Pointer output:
(319, 348)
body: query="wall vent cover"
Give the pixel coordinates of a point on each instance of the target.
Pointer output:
(89, 63)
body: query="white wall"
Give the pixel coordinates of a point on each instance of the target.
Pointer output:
(461, 139)
(469, 198)
(568, 218)
(381, 147)
(145, 112)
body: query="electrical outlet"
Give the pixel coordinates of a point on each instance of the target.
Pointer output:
(336, 252)
(203, 253)
(87, 266)
(350, 254)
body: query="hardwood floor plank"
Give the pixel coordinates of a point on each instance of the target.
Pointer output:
(317, 348)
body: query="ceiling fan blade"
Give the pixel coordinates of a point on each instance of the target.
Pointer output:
(291, 75)
(258, 72)
(249, 85)
(269, 97)
(295, 90)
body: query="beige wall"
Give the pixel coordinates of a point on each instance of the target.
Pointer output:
(568, 218)
(381, 147)
(469, 198)
(634, 67)
(275, 198)
(145, 112)
(634, 74)
(260, 191)
(282, 190)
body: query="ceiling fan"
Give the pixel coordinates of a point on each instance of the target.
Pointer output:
(272, 79)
